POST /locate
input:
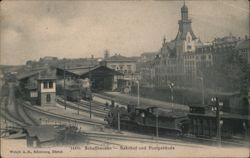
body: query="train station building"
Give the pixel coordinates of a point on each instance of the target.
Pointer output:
(101, 77)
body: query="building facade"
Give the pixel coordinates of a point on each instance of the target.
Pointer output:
(46, 89)
(169, 63)
(186, 60)
(126, 66)
(38, 87)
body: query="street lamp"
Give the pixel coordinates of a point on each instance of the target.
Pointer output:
(138, 93)
(171, 86)
(118, 119)
(64, 86)
(79, 96)
(202, 90)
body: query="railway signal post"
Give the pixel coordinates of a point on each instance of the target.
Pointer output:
(118, 120)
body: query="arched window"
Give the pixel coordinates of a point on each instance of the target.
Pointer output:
(189, 39)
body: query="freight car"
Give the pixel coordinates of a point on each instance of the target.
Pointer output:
(74, 93)
(146, 120)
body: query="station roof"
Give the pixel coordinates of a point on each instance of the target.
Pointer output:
(41, 74)
(85, 71)
(28, 74)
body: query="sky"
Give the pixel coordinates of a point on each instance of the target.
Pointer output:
(31, 29)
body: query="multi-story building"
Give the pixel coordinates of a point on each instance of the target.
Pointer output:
(120, 63)
(243, 47)
(185, 59)
(126, 66)
(147, 56)
(46, 88)
(168, 64)
(207, 55)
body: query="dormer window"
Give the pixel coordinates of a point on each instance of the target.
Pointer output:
(189, 39)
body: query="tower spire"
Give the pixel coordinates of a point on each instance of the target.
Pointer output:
(184, 11)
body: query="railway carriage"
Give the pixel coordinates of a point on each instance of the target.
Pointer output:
(74, 93)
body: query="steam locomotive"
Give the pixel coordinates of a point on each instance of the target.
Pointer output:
(148, 120)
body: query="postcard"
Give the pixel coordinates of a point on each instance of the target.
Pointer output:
(104, 78)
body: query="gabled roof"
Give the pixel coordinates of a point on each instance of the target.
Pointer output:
(28, 74)
(41, 74)
(84, 71)
(47, 74)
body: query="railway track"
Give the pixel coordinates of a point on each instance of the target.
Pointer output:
(183, 142)
(6, 114)
(16, 111)
(102, 137)
(27, 119)
(95, 105)
(83, 107)
(71, 119)
(140, 139)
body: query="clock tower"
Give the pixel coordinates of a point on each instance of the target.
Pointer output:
(185, 39)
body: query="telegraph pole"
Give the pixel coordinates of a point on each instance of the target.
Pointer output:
(156, 122)
(64, 86)
(79, 97)
(218, 123)
(118, 119)
(90, 108)
(138, 93)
